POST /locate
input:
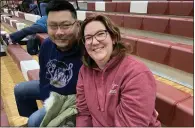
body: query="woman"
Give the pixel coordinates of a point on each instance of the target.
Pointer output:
(113, 88)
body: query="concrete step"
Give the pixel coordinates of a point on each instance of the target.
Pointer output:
(161, 36)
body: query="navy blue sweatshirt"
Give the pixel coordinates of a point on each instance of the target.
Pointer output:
(58, 70)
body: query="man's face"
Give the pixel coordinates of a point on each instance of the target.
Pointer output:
(62, 28)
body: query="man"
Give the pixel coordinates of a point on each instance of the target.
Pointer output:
(59, 59)
(24, 5)
(39, 27)
(42, 7)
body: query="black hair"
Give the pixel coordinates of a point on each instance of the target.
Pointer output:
(60, 5)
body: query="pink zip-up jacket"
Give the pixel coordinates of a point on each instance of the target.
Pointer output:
(121, 95)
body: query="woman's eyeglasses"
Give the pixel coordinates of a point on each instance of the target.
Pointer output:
(99, 36)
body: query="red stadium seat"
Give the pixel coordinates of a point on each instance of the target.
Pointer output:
(18, 54)
(15, 49)
(118, 19)
(146, 48)
(110, 6)
(183, 8)
(91, 6)
(155, 24)
(184, 110)
(157, 7)
(182, 57)
(130, 42)
(167, 98)
(133, 21)
(182, 27)
(123, 7)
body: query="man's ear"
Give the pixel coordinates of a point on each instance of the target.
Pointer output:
(78, 23)
(77, 29)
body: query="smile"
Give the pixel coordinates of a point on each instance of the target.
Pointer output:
(98, 49)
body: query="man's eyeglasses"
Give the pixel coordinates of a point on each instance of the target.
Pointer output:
(99, 36)
(61, 26)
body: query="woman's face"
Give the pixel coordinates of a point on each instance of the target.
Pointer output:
(98, 42)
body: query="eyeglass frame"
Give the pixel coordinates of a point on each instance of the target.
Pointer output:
(60, 26)
(94, 35)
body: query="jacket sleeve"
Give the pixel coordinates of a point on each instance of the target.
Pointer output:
(83, 118)
(137, 101)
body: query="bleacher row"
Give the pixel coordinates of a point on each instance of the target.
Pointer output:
(180, 8)
(175, 107)
(168, 25)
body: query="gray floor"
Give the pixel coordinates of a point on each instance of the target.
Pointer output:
(162, 36)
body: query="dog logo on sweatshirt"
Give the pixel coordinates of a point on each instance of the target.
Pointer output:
(59, 73)
(113, 90)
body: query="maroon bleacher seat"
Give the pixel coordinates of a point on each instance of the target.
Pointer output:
(184, 116)
(110, 6)
(183, 8)
(182, 57)
(146, 48)
(155, 23)
(15, 49)
(123, 7)
(91, 6)
(130, 43)
(18, 54)
(173, 26)
(167, 98)
(179, 8)
(118, 19)
(33, 74)
(182, 27)
(157, 7)
(133, 21)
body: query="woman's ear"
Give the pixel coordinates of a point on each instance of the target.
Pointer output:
(114, 40)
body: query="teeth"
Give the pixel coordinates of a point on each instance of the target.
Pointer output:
(98, 49)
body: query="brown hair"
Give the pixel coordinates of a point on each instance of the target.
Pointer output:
(114, 32)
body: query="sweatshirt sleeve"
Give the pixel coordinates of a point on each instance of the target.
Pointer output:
(41, 63)
(137, 101)
(83, 118)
